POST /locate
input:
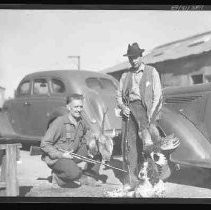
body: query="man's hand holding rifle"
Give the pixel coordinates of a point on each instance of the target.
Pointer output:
(126, 111)
(67, 154)
(71, 155)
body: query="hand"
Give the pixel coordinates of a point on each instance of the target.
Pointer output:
(126, 111)
(67, 155)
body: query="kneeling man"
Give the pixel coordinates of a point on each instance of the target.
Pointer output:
(70, 133)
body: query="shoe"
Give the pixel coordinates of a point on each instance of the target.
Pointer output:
(57, 181)
(87, 180)
(127, 188)
(130, 187)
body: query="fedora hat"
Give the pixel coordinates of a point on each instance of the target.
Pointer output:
(134, 50)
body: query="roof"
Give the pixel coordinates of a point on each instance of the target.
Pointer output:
(193, 45)
(64, 73)
(118, 67)
(181, 48)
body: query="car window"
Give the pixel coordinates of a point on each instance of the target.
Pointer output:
(107, 84)
(100, 84)
(93, 83)
(40, 87)
(57, 86)
(24, 88)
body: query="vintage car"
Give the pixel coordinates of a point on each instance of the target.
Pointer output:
(40, 98)
(187, 114)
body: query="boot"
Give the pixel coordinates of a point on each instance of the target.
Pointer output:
(87, 180)
(56, 181)
(131, 183)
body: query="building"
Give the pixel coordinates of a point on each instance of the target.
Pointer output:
(179, 63)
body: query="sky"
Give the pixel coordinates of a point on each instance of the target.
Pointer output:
(37, 40)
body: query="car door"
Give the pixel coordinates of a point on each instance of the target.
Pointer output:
(42, 102)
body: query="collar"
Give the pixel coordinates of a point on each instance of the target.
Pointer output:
(69, 119)
(140, 69)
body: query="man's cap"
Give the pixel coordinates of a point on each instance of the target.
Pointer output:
(134, 50)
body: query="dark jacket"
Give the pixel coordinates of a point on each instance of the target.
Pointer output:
(63, 134)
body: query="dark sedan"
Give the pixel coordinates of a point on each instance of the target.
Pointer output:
(40, 97)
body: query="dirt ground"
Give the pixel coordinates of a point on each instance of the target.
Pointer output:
(33, 176)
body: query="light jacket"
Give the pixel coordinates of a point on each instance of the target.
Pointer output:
(149, 87)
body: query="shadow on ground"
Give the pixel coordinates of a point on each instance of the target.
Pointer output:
(49, 180)
(23, 190)
(192, 176)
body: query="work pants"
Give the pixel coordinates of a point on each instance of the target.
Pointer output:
(67, 170)
(135, 133)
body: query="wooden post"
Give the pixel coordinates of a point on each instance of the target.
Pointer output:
(2, 175)
(9, 178)
(12, 187)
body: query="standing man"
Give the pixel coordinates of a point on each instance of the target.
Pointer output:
(71, 134)
(139, 98)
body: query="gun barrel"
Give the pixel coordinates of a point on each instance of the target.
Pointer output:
(92, 161)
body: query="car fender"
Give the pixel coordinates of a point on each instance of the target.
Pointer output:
(194, 148)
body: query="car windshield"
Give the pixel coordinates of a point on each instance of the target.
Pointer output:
(101, 84)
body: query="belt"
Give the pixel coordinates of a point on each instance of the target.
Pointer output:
(140, 102)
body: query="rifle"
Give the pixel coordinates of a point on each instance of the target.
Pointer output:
(126, 147)
(91, 160)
